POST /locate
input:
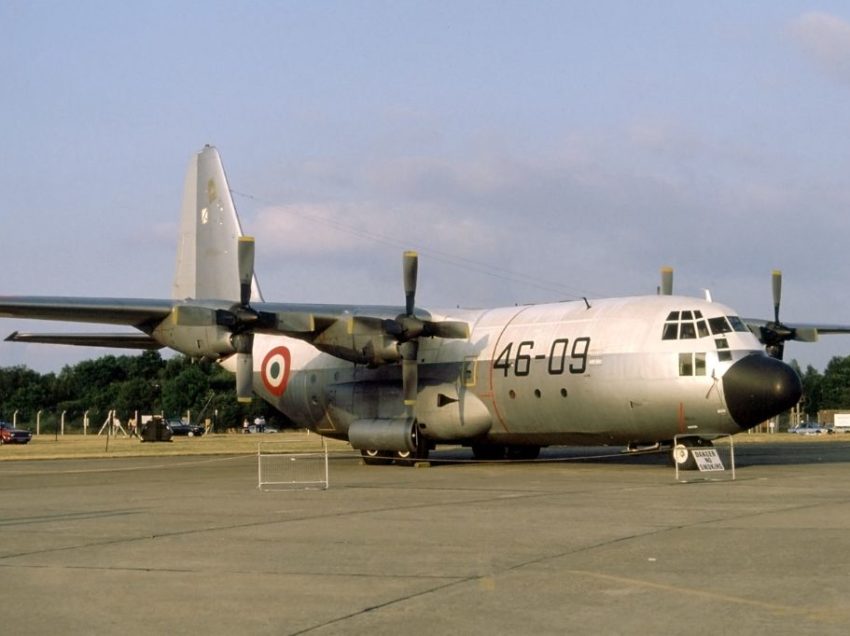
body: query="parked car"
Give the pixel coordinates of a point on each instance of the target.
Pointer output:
(179, 427)
(809, 428)
(11, 435)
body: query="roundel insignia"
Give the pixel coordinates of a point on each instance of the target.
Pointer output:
(275, 370)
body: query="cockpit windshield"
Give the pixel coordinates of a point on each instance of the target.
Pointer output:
(690, 325)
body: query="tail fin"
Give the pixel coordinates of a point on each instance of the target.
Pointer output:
(207, 259)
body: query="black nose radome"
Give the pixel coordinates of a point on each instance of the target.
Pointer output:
(758, 387)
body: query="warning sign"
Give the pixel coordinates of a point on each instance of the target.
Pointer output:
(707, 459)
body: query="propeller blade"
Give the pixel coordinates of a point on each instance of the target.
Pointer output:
(777, 293)
(246, 268)
(447, 329)
(806, 334)
(666, 281)
(244, 345)
(410, 381)
(244, 377)
(410, 266)
(410, 375)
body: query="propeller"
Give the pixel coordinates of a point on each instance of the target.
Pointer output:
(775, 334)
(410, 350)
(242, 320)
(243, 337)
(406, 328)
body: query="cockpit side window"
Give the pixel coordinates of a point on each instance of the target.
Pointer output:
(719, 325)
(737, 323)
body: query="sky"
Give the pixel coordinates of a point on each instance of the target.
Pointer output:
(530, 151)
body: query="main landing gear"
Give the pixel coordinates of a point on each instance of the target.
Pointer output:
(402, 458)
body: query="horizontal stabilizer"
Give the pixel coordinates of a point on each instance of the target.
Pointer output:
(115, 340)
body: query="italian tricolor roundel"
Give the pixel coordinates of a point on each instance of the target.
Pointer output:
(275, 370)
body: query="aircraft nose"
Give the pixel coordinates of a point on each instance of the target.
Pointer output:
(758, 387)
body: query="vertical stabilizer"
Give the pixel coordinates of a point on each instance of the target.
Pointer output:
(207, 256)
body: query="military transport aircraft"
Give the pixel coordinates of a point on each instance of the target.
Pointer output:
(397, 381)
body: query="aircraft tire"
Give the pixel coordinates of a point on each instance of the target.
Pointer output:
(376, 457)
(407, 458)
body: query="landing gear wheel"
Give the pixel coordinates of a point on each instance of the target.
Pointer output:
(407, 458)
(488, 451)
(376, 457)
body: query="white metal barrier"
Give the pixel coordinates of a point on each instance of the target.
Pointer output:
(292, 464)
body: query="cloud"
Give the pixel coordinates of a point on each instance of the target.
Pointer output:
(825, 39)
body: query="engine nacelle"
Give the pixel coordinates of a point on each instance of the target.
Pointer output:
(382, 434)
(193, 330)
(444, 414)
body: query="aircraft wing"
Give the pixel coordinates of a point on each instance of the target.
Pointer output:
(362, 334)
(802, 332)
(142, 314)
(112, 340)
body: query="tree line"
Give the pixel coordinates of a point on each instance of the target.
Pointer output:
(148, 384)
(145, 383)
(827, 390)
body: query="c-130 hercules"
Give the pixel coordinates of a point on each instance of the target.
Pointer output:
(398, 381)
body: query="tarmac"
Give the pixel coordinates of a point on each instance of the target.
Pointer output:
(584, 541)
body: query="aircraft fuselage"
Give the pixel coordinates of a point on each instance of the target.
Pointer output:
(614, 371)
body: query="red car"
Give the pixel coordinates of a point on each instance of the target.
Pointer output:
(11, 435)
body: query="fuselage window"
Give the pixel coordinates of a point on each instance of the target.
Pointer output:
(723, 353)
(686, 364)
(699, 364)
(691, 364)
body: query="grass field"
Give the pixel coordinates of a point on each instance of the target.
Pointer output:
(94, 446)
